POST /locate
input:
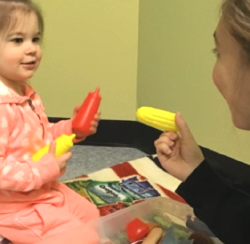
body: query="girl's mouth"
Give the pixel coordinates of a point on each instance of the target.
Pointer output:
(29, 63)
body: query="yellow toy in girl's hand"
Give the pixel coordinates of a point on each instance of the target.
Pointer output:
(63, 144)
(157, 118)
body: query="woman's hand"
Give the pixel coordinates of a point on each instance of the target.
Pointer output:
(179, 153)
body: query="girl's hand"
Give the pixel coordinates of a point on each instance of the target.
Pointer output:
(94, 124)
(179, 153)
(61, 160)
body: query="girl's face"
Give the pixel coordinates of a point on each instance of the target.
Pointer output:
(20, 52)
(231, 75)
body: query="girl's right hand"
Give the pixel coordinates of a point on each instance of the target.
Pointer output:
(179, 153)
(61, 160)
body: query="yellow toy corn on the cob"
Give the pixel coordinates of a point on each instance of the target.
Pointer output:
(157, 118)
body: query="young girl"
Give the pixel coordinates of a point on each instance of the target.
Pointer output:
(34, 206)
(222, 204)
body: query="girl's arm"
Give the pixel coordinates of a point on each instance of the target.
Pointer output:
(16, 172)
(60, 127)
(65, 127)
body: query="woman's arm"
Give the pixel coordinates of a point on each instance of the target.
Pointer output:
(224, 208)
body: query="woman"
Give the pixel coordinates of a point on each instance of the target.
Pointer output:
(222, 205)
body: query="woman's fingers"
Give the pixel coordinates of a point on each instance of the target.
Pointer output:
(166, 142)
(184, 130)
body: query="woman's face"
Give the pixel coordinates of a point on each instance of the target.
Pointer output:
(231, 75)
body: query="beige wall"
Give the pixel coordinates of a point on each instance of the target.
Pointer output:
(91, 43)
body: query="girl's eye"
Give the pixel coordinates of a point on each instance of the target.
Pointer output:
(17, 40)
(36, 39)
(215, 52)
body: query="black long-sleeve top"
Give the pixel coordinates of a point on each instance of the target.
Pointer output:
(219, 192)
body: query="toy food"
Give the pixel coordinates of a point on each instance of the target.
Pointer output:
(63, 145)
(200, 237)
(152, 225)
(136, 230)
(153, 236)
(157, 118)
(85, 115)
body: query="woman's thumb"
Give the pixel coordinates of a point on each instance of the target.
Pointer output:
(183, 127)
(52, 148)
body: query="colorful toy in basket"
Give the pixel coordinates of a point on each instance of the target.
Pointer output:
(157, 220)
(160, 231)
(157, 118)
(142, 232)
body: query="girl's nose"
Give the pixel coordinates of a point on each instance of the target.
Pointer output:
(31, 48)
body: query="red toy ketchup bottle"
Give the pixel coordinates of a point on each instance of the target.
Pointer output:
(85, 115)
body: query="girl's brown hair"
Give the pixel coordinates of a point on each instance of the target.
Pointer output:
(9, 9)
(236, 16)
